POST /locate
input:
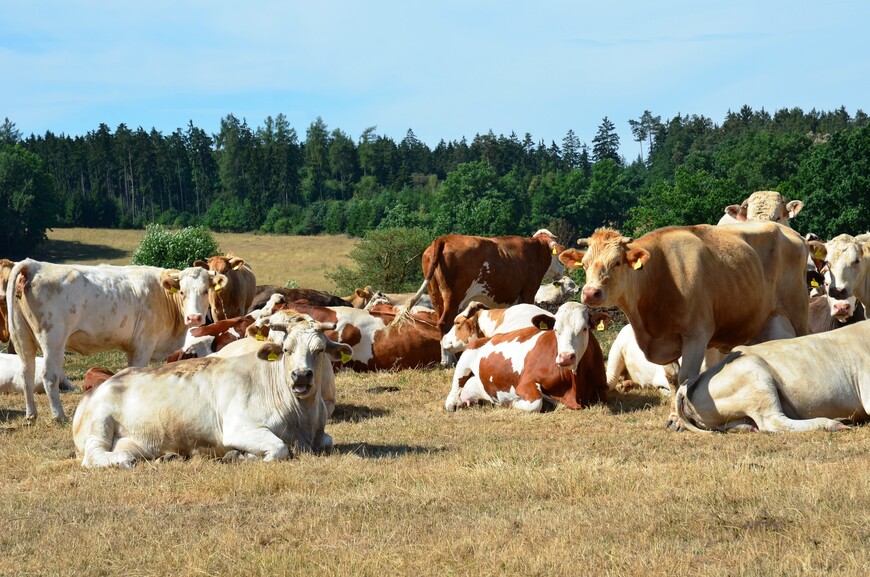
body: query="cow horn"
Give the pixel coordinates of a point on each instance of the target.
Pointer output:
(583, 241)
(625, 239)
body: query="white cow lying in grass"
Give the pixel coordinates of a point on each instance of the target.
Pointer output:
(254, 404)
(9, 367)
(799, 384)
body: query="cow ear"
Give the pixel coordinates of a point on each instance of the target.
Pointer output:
(735, 211)
(236, 263)
(219, 282)
(339, 351)
(360, 293)
(270, 352)
(572, 257)
(544, 322)
(258, 332)
(201, 264)
(815, 278)
(793, 208)
(600, 320)
(169, 280)
(636, 257)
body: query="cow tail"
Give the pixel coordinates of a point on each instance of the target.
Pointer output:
(691, 420)
(20, 332)
(437, 250)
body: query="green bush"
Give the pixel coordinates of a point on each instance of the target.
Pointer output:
(178, 249)
(388, 260)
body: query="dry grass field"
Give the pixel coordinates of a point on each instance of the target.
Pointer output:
(413, 490)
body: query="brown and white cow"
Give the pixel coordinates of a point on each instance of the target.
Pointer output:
(233, 298)
(800, 384)
(685, 289)
(848, 273)
(310, 296)
(207, 339)
(762, 205)
(477, 321)
(523, 368)
(499, 272)
(256, 405)
(141, 310)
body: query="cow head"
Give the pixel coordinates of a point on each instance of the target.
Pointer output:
(572, 325)
(191, 285)
(765, 205)
(608, 260)
(466, 328)
(848, 273)
(300, 350)
(360, 297)
(555, 270)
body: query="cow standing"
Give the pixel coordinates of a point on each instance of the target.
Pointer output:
(233, 298)
(688, 288)
(254, 405)
(499, 271)
(142, 310)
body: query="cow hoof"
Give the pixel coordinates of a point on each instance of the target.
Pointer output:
(232, 456)
(168, 457)
(674, 423)
(838, 427)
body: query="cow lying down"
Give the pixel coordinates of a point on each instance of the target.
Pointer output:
(799, 384)
(11, 364)
(252, 405)
(559, 362)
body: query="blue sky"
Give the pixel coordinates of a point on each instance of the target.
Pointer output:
(444, 69)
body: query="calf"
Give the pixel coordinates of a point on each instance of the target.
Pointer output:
(254, 404)
(848, 273)
(823, 310)
(799, 384)
(234, 296)
(551, 296)
(524, 367)
(205, 340)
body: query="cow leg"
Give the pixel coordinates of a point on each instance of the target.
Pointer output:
(694, 349)
(139, 357)
(462, 373)
(25, 376)
(256, 440)
(51, 375)
(528, 397)
(777, 327)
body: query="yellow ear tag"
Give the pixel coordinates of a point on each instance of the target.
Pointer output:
(600, 326)
(814, 283)
(819, 255)
(543, 326)
(218, 287)
(260, 337)
(345, 357)
(637, 265)
(555, 251)
(172, 290)
(272, 357)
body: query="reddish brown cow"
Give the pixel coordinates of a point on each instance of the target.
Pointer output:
(311, 296)
(205, 340)
(95, 376)
(499, 272)
(234, 298)
(522, 368)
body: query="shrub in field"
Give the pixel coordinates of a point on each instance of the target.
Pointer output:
(175, 249)
(388, 260)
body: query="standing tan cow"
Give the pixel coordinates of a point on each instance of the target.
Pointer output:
(235, 296)
(688, 288)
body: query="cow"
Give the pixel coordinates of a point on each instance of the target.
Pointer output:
(10, 365)
(685, 289)
(204, 340)
(822, 313)
(256, 405)
(378, 343)
(310, 296)
(477, 321)
(96, 376)
(142, 310)
(762, 205)
(498, 271)
(848, 273)
(551, 296)
(801, 384)
(562, 363)
(367, 298)
(233, 298)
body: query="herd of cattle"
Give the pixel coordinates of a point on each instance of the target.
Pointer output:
(734, 321)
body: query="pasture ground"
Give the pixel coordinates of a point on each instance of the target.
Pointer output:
(413, 490)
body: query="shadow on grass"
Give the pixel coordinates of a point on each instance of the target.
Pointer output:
(370, 451)
(356, 413)
(644, 400)
(8, 415)
(70, 251)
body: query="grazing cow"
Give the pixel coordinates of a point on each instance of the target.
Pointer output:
(685, 289)
(848, 273)
(207, 339)
(801, 384)
(551, 296)
(822, 311)
(477, 321)
(233, 298)
(10, 365)
(141, 310)
(253, 405)
(378, 343)
(523, 368)
(499, 271)
(763, 205)
(311, 296)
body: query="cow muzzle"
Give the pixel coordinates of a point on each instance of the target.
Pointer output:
(195, 320)
(302, 381)
(592, 295)
(841, 310)
(566, 359)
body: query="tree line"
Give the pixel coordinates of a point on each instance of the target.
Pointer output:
(269, 179)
